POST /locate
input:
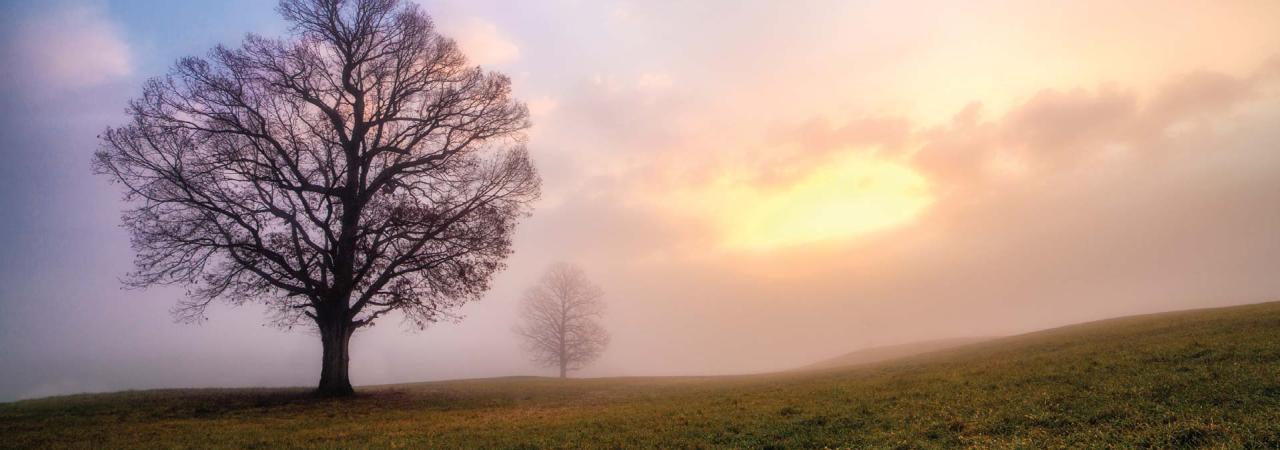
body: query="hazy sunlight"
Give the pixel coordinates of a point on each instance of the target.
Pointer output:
(855, 193)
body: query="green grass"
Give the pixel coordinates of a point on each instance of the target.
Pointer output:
(1207, 378)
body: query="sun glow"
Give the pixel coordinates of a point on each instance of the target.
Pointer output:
(850, 195)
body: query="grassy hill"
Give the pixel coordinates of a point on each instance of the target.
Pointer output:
(891, 352)
(1184, 379)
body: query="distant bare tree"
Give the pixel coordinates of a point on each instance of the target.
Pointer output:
(357, 168)
(558, 319)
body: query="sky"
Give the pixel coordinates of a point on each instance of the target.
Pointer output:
(755, 185)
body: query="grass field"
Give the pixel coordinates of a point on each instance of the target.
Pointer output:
(888, 352)
(1206, 378)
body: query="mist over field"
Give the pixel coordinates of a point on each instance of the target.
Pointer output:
(754, 188)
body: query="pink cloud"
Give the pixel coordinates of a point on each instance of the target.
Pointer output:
(483, 43)
(70, 48)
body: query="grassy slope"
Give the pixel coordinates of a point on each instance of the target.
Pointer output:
(1209, 377)
(890, 352)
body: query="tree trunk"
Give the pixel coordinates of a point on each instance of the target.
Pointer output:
(334, 381)
(563, 369)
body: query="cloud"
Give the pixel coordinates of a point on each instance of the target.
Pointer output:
(654, 81)
(1058, 130)
(818, 134)
(1202, 93)
(483, 43)
(542, 106)
(1054, 125)
(69, 48)
(976, 164)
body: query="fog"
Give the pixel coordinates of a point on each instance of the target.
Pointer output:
(1064, 182)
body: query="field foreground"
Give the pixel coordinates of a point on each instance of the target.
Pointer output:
(1185, 379)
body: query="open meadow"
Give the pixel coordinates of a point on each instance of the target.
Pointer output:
(1204, 378)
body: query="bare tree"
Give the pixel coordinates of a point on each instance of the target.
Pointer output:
(558, 319)
(358, 167)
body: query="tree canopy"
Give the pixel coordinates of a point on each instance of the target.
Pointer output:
(356, 168)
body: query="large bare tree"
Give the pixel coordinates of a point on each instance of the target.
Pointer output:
(558, 319)
(356, 168)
